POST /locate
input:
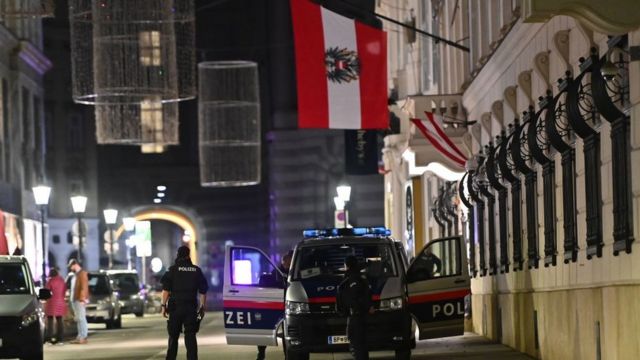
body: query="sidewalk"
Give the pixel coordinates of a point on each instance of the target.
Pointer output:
(467, 347)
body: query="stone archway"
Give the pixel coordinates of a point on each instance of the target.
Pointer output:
(181, 217)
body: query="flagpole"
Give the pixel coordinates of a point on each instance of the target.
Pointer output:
(422, 32)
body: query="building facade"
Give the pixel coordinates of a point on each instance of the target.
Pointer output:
(71, 153)
(547, 201)
(22, 144)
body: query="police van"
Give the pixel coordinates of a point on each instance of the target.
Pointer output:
(428, 292)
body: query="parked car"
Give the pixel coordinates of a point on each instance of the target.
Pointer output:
(132, 297)
(21, 316)
(104, 301)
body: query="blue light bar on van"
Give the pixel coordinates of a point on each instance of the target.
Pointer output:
(358, 231)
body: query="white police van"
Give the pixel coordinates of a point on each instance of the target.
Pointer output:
(429, 292)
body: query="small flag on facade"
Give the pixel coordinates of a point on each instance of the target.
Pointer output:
(431, 128)
(341, 70)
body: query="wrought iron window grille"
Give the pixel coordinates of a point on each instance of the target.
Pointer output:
(470, 222)
(508, 171)
(610, 91)
(584, 120)
(523, 161)
(494, 174)
(451, 209)
(543, 154)
(483, 186)
(474, 192)
(562, 139)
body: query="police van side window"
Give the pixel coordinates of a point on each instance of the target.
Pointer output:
(251, 268)
(440, 259)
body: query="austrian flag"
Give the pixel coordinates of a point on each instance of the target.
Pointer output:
(341, 70)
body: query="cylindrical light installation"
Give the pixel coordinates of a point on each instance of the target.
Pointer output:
(229, 123)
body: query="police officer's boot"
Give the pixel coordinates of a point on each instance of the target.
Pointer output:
(261, 352)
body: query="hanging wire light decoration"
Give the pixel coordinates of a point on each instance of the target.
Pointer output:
(126, 51)
(148, 123)
(229, 123)
(26, 8)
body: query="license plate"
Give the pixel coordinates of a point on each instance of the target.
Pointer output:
(338, 340)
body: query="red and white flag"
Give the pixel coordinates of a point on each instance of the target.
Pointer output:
(431, 128)
(341, 69)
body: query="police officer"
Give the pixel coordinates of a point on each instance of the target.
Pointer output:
(180, 287)
(354, 301)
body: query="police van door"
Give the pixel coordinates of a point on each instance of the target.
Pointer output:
(438, 281)
(253, 297)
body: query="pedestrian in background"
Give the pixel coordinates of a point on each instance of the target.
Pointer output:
(55, 308)
(181, 285)
(276, 279)
(354, 301)
(79, 297)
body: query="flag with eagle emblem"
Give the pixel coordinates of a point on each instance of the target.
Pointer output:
(341, 70)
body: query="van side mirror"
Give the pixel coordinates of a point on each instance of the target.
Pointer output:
(44, 294)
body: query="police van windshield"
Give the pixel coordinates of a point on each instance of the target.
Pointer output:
(328, 260)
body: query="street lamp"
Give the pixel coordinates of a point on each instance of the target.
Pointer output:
(41, 194)
(110, 218)
(129, 225)
(79, 205)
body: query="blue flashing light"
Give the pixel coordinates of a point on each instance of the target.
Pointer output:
(358, 231)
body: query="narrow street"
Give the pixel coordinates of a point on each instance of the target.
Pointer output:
(146, 339)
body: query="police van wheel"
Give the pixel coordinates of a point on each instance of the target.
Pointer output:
(403, 354)
(294, 355)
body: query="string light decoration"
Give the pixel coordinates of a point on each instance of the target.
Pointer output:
(148, 123)
(127, 51)
(229, 123)
(26, 8)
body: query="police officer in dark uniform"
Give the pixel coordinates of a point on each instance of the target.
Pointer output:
(180, 287)
(354, 301)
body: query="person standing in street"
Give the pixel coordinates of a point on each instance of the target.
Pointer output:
(55, 308)
(79, 297)
(276, 278)
(181, 285)
(354, 301)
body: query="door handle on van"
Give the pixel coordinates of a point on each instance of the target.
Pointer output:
(234, 291)
(459, 281)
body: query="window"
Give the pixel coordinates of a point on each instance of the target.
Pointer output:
(99, 285)
(56, 239)
(440, 258)
(150, 54)
(426, 44)
(128, 284)
(151, 120)
(13, 279)
(249, 267)
(27, 138)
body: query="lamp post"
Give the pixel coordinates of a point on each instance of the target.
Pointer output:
(110, 218)
(344, 195)
(41, 194)
(79, 205)
(129, 225)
